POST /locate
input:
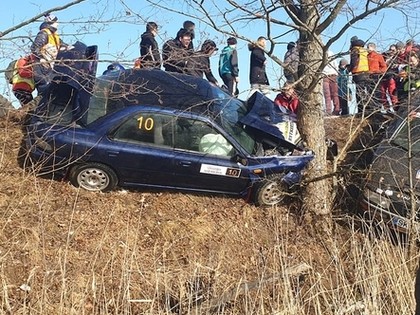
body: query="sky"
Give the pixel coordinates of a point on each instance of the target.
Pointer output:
(116, 25)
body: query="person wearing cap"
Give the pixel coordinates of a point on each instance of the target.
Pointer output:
(228, 66)
(149, 49)
(176, 54)
(257, 74)
(291, 62)
(200, 61)
(44, 50)
(344, 93)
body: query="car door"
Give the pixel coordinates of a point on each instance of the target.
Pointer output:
(140, 149)
(203, 158)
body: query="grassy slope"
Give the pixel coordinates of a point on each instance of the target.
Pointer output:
(68, 251)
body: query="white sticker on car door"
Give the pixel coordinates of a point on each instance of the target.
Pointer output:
(219, 170)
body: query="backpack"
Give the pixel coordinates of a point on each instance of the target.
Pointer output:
(9, 72)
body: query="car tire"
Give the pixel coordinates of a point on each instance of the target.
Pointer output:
(269, 191)
(93, 177)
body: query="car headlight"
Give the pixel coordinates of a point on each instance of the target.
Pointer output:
(377, 197)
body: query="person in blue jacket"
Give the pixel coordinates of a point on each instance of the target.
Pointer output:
(228, 66)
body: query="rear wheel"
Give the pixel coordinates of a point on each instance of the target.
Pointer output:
(93, 177)
(269, 191)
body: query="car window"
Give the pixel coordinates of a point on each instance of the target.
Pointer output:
(150, 128)
(198, 136)
(401, 138)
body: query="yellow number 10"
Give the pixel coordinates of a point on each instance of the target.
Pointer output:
(147, 124)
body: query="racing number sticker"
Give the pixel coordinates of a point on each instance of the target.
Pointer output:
(220, 170)
(145, 124)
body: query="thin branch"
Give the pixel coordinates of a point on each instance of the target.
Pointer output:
(36, 17)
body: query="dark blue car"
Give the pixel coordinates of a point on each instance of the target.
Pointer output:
(150, 128)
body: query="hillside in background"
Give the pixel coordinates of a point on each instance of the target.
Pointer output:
(69, 251)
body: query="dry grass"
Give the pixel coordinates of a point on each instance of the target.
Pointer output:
(68, 251)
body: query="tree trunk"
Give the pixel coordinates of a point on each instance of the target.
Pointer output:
(317, 197)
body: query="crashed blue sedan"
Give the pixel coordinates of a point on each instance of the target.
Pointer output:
(149, 128)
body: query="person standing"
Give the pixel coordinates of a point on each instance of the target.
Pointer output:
(330, 87)
(344, 93)
(377, 69)
(201, 61)
(149, 49)
(291, 62)
(44, 50)
(190, 27)
(257, 74)
(359, 67)
(23, 82)
(176, 54)
(228, 66)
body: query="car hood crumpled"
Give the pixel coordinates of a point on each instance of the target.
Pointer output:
(265, 119)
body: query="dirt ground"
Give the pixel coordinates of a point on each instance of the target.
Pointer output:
(69, 251)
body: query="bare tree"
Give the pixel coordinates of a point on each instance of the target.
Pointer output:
(309, 19)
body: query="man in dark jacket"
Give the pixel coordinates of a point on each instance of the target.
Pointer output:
(257, 75)
(201, 61)
(149, 49)
(176, 53)
(190, 27)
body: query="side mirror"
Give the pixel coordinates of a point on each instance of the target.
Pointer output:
(239, 159)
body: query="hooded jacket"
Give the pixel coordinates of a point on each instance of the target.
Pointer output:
(228, 62)
(149, 51)
(257, 74)
(47, 43)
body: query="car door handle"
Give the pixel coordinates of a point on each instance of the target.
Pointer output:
(113, 153)
(185, 163)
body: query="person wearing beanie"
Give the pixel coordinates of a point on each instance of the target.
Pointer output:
(44, 51)
(291, 62)
(359, 68)
(149, 49)
(344, 93)
(228, 66)
(257, 74)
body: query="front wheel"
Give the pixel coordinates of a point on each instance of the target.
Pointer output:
(269, 191)
(93, 177)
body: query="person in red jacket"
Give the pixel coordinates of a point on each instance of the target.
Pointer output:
(287, 98)
(23, 80)
(377, 69)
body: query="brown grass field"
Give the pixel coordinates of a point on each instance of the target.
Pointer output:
(68, 251)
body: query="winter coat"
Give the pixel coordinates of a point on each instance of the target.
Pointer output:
(176, 58)
(257, 74)
(358, 57)
(376, 62)
(23, 77)
(47, 43)
(200, 65)
(291, 62)
(149, 51)
(343, 82)
(228, 62)
(291, 103)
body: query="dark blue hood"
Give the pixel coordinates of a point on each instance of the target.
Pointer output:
(265, 118)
